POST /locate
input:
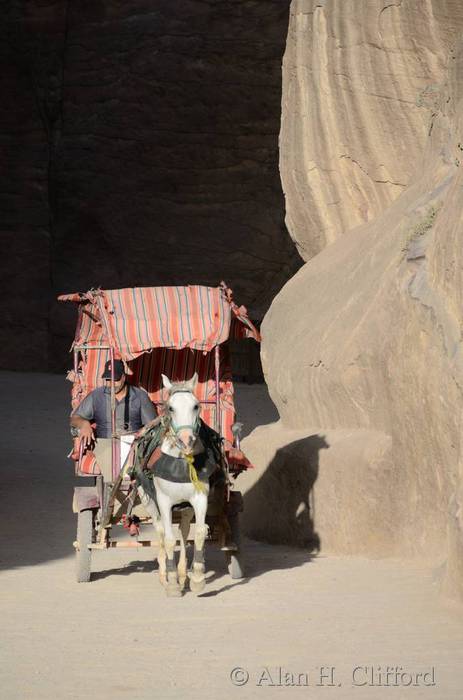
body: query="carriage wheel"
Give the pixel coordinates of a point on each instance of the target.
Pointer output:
(84, 538)
(235, 560)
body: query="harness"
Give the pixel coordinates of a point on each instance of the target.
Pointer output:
(151, 438)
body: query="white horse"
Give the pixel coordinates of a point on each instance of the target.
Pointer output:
(179, 448)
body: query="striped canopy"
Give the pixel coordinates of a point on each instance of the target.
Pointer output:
(159, 330)
(134, 321)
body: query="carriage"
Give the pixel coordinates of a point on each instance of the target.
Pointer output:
(175, 331)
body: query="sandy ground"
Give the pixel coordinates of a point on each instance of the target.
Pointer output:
(293, 620)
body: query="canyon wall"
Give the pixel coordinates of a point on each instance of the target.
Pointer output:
(140, 144)
(362, 348)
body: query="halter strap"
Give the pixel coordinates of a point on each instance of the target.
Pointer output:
(194, 427)
(179, 427)
(176, 428)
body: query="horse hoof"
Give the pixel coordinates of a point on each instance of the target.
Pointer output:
(173, 590)
(197, 585)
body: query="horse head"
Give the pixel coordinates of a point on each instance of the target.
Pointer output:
(182, 410)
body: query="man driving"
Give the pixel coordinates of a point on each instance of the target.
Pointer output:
(133, 410)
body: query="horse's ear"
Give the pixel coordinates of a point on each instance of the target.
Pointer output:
(193, 383)
(166, 383)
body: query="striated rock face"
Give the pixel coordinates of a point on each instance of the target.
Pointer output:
(362, 349)
(361, 79)
(142, 144)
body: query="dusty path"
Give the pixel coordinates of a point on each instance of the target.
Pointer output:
(119, 637)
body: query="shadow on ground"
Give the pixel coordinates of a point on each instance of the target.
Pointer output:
(36, 477)
(280, 507)
(260, 558)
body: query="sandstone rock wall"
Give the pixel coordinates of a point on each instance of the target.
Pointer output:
(361, 79)
(362, 348)
(142, 149)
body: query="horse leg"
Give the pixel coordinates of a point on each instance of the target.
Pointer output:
(162, 571)
(151, 509)
(185, 520)
(165, 508)
(197, 575)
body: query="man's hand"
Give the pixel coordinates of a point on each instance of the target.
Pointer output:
(85, 430)
(86, 434)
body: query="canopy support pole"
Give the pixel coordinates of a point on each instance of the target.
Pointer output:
(81, 444)
(217, 390)
(114, 465)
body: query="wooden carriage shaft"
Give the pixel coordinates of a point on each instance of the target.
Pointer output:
(124, 544)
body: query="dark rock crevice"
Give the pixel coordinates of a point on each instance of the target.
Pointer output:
(142, 149)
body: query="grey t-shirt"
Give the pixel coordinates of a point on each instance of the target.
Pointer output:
(96, 407)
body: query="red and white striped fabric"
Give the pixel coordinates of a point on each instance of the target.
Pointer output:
(160, 330)
(137, 320)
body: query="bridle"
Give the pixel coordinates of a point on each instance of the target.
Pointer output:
(175, 429)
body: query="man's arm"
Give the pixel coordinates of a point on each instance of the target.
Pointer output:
(81, 419)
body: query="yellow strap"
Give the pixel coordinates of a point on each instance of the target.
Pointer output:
(199, 486)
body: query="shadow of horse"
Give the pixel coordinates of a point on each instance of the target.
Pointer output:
(280, 507)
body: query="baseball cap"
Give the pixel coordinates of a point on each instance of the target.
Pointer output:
(119, 370)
